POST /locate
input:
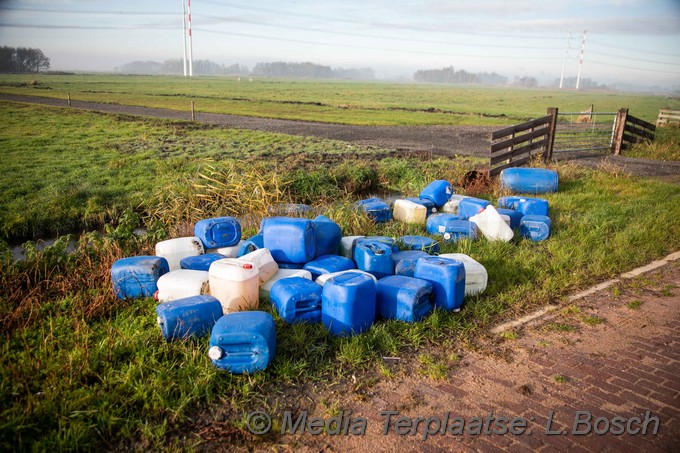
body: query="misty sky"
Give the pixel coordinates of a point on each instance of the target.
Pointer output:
(627, 40)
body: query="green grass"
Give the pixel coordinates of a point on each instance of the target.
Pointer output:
(634, 304)
(77, 170)
(346, 102)
(80, 369)
(560, 379)
(666, 145)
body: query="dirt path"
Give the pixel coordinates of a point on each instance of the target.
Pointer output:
(596, 355)
(440, 140)
(447, 140)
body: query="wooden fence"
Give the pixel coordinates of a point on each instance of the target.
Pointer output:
(667, 116)
(629, 130)
(518, 144)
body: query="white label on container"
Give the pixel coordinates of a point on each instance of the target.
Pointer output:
(442, 228)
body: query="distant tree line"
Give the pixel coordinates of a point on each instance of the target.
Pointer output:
(310, 71)
(276, 69)
(450, 75)
(176, 66)
(23, 60)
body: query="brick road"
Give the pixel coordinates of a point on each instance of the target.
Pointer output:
(613, 354)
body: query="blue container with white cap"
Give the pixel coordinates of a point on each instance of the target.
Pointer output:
(457, 230)
(529, 180)
(327, 264)
(436, 223)
(535, 227)
(137, 276)
(374, 257)
(297, 299)
(290, 239)
(405, 261)
(188, 317)
(447, 277)
(218, 232)
(421, 243)
(243, 342)
(200, 262)
(348, 303)
(439, 192)
(404, 298)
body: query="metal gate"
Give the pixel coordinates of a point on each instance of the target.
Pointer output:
(584, 131)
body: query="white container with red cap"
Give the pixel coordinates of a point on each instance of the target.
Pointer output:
(265, 263)
(234, 282)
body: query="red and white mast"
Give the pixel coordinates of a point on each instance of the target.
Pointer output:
(184, 36)
(191, 57)
(583, 49)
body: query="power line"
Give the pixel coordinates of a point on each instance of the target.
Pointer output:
(89, 27)
(381, 49)
(628, 49)
(632, 67)
(365, 35)
(604, 54)
(89, 12)
(349, 21)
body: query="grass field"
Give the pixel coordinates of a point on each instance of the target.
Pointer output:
(82, 370)
(333, 101)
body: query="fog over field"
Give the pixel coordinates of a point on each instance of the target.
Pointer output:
(628, 42)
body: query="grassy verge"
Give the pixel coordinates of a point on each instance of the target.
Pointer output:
(666, 145)
(74, 170)
(82, 370)
(345, 102)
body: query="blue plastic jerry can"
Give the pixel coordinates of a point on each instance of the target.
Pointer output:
(535, 227)
(200, 262)
(218, 232)
(405, 261)
(328, 236)
(243, 342)
(448, 280)
(290, 239)
(471, 206)
(404, 298)
(189, 317)
(327, 264)
(348, 303)
(438, 191)
(421, 243)
(250, 245)
(137, 276)
(297, 299)
(374, 257)
(529, 180)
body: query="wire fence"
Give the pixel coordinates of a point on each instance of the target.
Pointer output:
(584, 131)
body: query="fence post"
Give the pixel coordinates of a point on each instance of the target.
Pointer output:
(617, 141)
(547, 154)
(68, 96)
(193, 112)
